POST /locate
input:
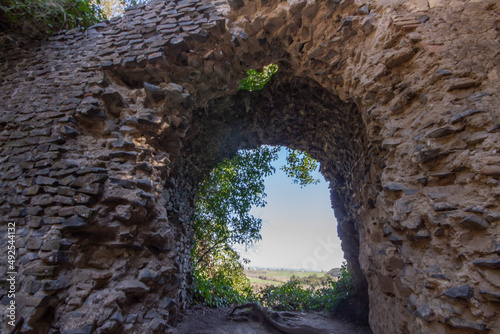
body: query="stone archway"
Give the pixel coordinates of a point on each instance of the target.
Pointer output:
(297, 113)
(106, 133)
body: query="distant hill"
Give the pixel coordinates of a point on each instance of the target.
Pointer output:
(335, 272)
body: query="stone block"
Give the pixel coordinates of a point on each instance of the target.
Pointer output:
(74, 224)
(463, 292)
(132, 287)
(475, 222)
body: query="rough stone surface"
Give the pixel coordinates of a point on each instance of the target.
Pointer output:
(105, 135)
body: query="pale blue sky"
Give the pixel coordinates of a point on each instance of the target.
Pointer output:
(299, 229)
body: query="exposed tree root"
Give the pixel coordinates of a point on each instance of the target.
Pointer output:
(282, 321)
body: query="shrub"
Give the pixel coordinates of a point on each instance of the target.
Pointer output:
(219, 290)
(257, 80)
(293, 296)
(39, 18)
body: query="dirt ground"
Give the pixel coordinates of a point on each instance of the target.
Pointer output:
(202, 320)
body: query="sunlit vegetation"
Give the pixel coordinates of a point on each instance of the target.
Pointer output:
(223, 220)
(257, 80)
(40, 18)
(326, 295)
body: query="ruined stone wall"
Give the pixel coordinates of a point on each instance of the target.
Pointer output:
(106, 133)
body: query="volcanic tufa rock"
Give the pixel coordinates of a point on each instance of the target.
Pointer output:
(106, 134)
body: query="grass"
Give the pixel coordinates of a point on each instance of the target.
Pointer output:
(259, 278)
(289, 273)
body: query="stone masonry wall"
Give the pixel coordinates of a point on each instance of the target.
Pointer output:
(105, 134)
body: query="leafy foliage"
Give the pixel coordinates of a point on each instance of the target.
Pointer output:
(293, 296)
(222, 219)
(225, 199)
(223, 283)
(112, 8)
(257, 80)
(299, 167)
(313, 281)
(39, 18)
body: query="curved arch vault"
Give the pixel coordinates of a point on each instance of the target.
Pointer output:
(106, 133)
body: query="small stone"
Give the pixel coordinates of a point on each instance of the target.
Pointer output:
(50, 245)
(492, 264)
(131, 318)
(460, 116)
(475, 222)
(43, 180)
(399, 57)
(464, 292)
(109, 326)
(82, 199)
(54, 285)
(67, 180)
(493, 216)
(149, 119)
(156, 92)
(114, 102)
(124, 154)
(30, 191)
(84, 211)
(425, 312)
(476, 209)
(65, 191)
(492, 296)
(462, 84)
(491, 170)
(395, 187)
(364, 10)
(91, 112)
(476, 138)
(157, 57)
(443, 73)
(166, 303)
(110, 126)
(53, 220)
(157, 325)
(73, 224)
(413, 222)
(83, 181)
(439, 232)
(151, 314)
(92, 189)
(117, 316)
(28, 257)
(396, 240)
(63, 200)
(45, 199)
(40, 271)
(465, 324)
(443, 206)
(87, 329)
(428, 155)
(132, 287)
(414, 36)
(34, 244)
(34, 222)
(122, 143)
(423, 234)
(88, 170)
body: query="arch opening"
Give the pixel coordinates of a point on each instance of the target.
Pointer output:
(297, 113)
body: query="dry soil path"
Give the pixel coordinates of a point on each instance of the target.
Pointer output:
(214, 321)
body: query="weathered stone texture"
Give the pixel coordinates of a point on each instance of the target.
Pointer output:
(105, 134)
